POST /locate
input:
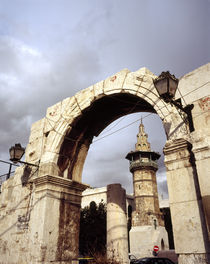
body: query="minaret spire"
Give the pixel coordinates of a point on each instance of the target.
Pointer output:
(142, 142)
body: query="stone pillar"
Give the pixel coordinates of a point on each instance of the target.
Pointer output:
(117, 232)
(54, 223)
(201, 151)
(189, 228)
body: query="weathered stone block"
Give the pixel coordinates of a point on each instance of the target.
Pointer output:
(129, 84)
(98, 89)
(36, 134)
(72, 109)
(49, 167)
(115, 83)
(38, 125)
(181, 185)
(34, 149)
(54, 112)
(195, 85)
(85, 97)
(187, 227)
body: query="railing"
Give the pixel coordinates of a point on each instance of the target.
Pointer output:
(5, 177)
(10, 173)
(137, 163)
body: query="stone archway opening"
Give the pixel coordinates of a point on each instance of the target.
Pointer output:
(93, 120)
(105, 162)
(114, 145)
(91, 123)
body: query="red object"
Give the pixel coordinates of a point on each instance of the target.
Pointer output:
(156, 248)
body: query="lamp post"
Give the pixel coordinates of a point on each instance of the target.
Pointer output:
(16, 153)
(166, 85)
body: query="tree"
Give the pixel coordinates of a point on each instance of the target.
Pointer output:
(92, 237)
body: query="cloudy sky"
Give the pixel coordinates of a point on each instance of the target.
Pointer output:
(50, 49)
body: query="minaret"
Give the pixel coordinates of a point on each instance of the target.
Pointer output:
(146, 216)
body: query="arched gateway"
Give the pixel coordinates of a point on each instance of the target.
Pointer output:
(42, 223)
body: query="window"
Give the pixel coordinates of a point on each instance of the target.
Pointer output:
(155, 223)
(162, 245)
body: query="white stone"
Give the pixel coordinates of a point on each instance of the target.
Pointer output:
(144, 238)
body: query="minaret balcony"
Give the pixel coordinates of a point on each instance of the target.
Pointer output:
(139, 164)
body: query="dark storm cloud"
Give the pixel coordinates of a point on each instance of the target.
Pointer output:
(157, 35)
(29, 83)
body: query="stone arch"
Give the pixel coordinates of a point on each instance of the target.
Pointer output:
(47, 229)
(69, 126)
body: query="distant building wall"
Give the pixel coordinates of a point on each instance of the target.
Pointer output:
(94, 194)
(100, 195)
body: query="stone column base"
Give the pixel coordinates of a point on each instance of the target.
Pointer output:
(54, 224)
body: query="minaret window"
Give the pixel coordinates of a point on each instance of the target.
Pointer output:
(162, 245)
(155, 223)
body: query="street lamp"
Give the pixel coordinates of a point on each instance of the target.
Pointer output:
(16, 153)
(166, 85)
